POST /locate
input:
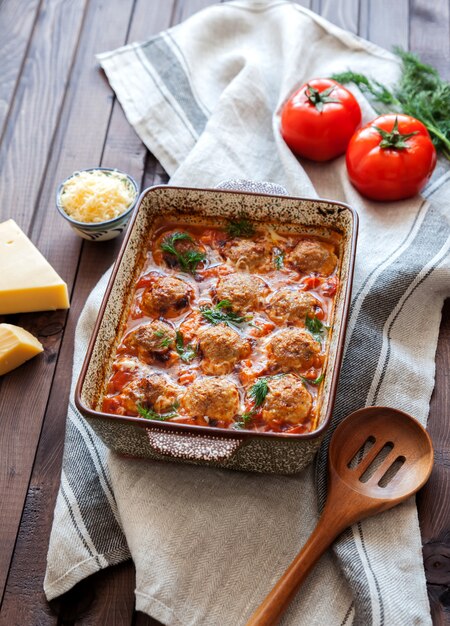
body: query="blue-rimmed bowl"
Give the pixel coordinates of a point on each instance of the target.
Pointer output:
(99, 231)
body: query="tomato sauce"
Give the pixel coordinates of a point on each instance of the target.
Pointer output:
(268, 354)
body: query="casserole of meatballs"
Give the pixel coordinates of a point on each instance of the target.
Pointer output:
(228, 327)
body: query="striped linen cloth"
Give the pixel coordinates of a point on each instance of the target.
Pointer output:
(208, 544)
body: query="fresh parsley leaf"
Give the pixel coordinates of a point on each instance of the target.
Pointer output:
(221, 312)
(259, 391)
(278, 259)
(420, 92)
(315, 327)
(189, 260)
(149, 414)
(240, 228)
(315, 381)
(186, 353)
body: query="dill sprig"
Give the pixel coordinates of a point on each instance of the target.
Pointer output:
(150, 414)
(379, 92)
(421, 93)
(188, 260)
(240, 228)
(222, 313)
(259, 391)
(185, 352)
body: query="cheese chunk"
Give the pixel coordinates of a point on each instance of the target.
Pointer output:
(16, 346)
(27, 280)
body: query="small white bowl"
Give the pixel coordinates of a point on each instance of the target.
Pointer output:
(98, 231)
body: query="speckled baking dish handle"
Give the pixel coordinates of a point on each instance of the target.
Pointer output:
(241, 184)
(192, 447)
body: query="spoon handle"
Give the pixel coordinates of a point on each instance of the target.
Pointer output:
(277, 600)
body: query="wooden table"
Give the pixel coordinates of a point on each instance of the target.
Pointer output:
(58, 114)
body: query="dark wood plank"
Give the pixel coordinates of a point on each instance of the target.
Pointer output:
(87, 105)
(433, 502)
(17, 21)
(28, 137)
(23, 160)
(141, 619)
(121, 149)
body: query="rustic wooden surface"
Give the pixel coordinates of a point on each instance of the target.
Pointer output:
(58, 114)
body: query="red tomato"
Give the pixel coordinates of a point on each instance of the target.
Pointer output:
(319, 119)
(391, 158)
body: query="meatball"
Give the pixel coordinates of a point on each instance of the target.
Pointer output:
(313, 256)
(293, 347)
(217, 398)
(167, 295)
(252, 256)
(242, 290)
(156, 336)
(155, 391)
(292, 306)
(222, 348)
(287, 398)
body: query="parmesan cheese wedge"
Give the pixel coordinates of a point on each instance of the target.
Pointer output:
(27, 280)
(17, 345)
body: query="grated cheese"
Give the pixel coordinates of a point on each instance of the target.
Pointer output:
(96, 196)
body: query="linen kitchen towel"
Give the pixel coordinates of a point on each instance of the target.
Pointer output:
(208, 544)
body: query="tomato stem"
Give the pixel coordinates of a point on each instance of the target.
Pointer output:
(394, 138)
(319, 98)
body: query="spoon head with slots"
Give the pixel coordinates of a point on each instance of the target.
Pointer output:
(381, 455)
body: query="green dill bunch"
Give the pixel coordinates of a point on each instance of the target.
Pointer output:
(424, 95)
(420, 93)
(180, 249)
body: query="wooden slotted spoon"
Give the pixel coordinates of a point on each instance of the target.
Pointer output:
(378, 457)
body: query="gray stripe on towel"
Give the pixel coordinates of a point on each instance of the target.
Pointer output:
(95, 510)
(75, 525)
(171, 72)
(97, 444)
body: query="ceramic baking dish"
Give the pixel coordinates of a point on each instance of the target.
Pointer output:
(234, 449)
